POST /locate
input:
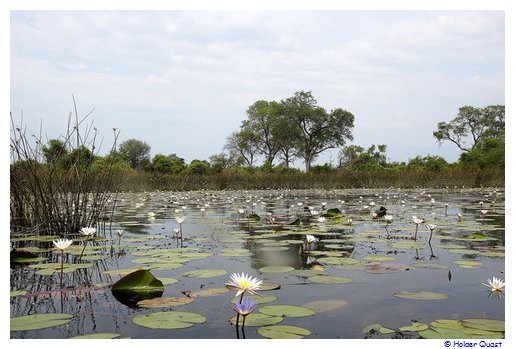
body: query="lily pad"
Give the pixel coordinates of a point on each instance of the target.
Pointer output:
(138, 281)
(283, 332)
(168, 281)
(286, 310)
(39, 321)
(325, 305)
(268, 286)
(163, 302)
(276, 269)
(415, 327)
(374, 327)
(235, 252)
(204, 273)
(106, 335)
(169, 320)
(378, 258)
(209, 292)
(385, 268)
(327, 279)
(18, 293)
(484, 324)
(257, 320)
(468, 264)
(423, 295)
(308, 272)
(258, 299)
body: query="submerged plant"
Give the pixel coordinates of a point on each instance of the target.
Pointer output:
(62, 244)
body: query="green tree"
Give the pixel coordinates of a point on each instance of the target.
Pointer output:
(136, 153)
(318, 130)
(472, 124)
(429, 162)
(199, 167)
(357, 158)
(242, 144)
(54, 151)
(262, 123)
(487, 154)
(221, 162)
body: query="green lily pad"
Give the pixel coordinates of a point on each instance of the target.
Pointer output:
(378, 258)
(369, 328)
(120, 271)
(308, 272)
(204, 273)
(415, 327)
(18, 293)
(385, 330)
(235, 252)
(258, 299)
(468, 264)
(257, 320)
(169, 320)
(276, 269)
(138, 281)
(283, 332)
(106, 335)
(163, 302)
(268, 286)
(39, 321)
(209, 292)
(168, 281)
(286, 310)
(325, 305)
(484, 324)
(327, 279)
(423, 295)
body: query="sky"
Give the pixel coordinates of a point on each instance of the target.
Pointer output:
(182, 81)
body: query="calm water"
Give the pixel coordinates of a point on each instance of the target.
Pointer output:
(368, 299)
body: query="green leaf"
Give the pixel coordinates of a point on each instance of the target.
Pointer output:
(484, 324)
(138, 281)
(168, 281)
(39, 321)
(283, 332)
(209, 292)
(105, 335)
(204, 273)
(276, 269)
(385, 330)
(375, 327)
(423, 296)
(323, 306)
(169, 320)
(415, 327)
(257, 298)
(257, 320)
(18, 293)
(286, 310)
(162, 302)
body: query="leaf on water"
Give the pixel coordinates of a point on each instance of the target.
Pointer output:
(163, 302)
(423, 295)
(257, 320)
(286, 310)
(18, 293)
(168, 281)
(209, 292)
(268, 286)
(204, 273)
(138, 281)
(283, 332)
(374, 327)
(257, 298)
(308, 272)
(379, 258)
(415, 327)
(385, 268)
(484, 324)
(323, 306)
(468, 264)
(276, 269)
(105, 335)
(169, 320)
(39, 321)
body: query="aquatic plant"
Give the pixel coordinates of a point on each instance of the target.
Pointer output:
(61, 245)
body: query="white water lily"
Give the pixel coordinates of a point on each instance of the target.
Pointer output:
(180, 220)
(431, 226)
(120, 232)
(388, 218)
(484, 212)
(417, 220)
(88, 231)
(495, 285)
(243, 283)
(62, 244)
(321, 219)
(241, 211)
(349, 221)
(311, 238)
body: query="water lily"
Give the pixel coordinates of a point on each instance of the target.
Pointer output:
(460, 216)
(388, 218)
(417, 221)
(241, 211)
(88, 232)
(431, 227)
(245, 307)
(120, 232)
(62, 244)
(151, 215)
(176, 231)
(349, 221)
(310, 239)
(180, 220)
(243, 283)
(495, 285)
(321, 219)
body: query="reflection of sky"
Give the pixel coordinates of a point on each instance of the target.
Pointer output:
(369, 296)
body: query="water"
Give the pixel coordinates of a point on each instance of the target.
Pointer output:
(367, 300)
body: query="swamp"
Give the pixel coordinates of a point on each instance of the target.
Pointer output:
(329, 265)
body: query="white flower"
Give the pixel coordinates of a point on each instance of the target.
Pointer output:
(62, 244)
(388, 218)
(243, 283)
(120, 232)
(321, 219)
(180, 220)
(484, 212)
(313, 212)
(431, 226)
(495, 285)
(88, 231)
(241, 211)
(310, 239)
(324, 204)
(417, 220)
(349, 221)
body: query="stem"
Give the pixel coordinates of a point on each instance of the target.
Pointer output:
(416, 231)
(62, 268)
(430, 235)
(85, 243)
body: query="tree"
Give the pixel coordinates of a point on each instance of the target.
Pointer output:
(242, 144)
(429, 162)
(54, 151)
(263, 124)
(472, 124)
(223, 161)
(198, 167)
(490, 152)
(136, 153)
(318, 130)
(357, 158)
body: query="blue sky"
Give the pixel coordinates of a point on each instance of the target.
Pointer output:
(183, 80)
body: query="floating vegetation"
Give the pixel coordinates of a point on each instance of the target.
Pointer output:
(170, 320)
(39, 321)
(421, 296)
(283, 332)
